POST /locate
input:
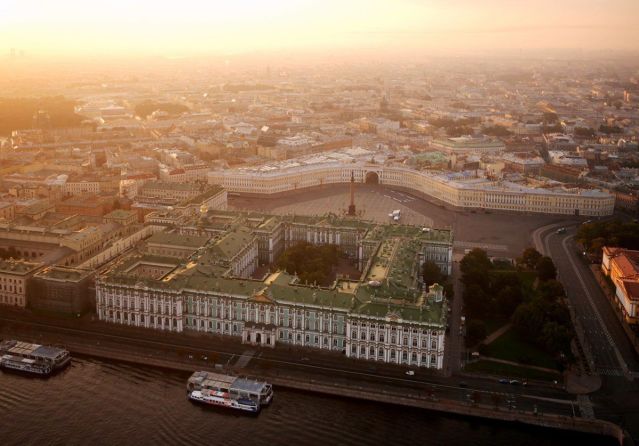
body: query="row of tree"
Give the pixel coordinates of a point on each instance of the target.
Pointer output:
(17, 113)
(313, 264)
(594, 236)
(145, 108)
(538, 315)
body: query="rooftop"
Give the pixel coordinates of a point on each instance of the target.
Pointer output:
(19, 267)
(174, 239)
(63, 273)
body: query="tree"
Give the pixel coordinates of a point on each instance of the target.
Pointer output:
(431, 273)
(546, 269)
(508, 299)
(496, 130)
(528, 320)
(585, 132)
(313, 264)
(551, 290)
(555, 337)
(475, 332)
(476, 300)
(529, 258)
(475, 267)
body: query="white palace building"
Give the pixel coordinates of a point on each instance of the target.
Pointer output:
(386, 314)
(468, 190)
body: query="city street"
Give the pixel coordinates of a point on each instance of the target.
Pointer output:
(604, 342)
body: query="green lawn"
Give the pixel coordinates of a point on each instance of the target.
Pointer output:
(510, 371)
(494, 324)
(511, 347)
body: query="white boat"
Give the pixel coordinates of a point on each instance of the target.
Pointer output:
(32, 358)
(25, 365)
(229, 391)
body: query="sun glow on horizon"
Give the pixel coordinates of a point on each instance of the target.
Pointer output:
(119, 27)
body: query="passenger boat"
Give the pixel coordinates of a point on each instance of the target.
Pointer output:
(32, 358)
(229, 391)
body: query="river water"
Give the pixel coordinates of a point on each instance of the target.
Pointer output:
(103, 403)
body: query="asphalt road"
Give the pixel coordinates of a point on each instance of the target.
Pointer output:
(606, 346)
(297, 363)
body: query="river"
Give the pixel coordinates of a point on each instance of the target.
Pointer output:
(104, 403)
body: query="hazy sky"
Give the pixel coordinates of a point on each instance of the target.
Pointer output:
(184, 27)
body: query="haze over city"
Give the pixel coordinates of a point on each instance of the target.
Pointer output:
(120, 28)
(319, 222)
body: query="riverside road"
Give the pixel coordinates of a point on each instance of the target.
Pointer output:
(296, 363)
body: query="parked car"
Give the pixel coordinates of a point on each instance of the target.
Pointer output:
(515, 382)
(503, 381)
(463, 384)
(410, 372)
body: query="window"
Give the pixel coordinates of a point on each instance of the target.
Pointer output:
(392, 355)
(380, 353)
(372, 351)
(353, 349)
(362, 350)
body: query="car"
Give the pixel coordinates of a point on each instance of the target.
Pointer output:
(410, 372)
(561, 230)
(503, 381)
(463, 384)
(515, 382)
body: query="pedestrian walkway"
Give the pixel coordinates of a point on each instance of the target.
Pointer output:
(519, 364)
(244, 359)
(497, 333)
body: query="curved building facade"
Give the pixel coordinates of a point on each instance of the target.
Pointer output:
(463, 190)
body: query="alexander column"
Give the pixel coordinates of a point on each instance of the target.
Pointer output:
(351, 207)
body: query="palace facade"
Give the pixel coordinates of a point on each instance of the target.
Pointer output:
(385, 314)
(464, 189)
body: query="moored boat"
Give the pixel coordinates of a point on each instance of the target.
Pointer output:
(32, 358)
(229, 391)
